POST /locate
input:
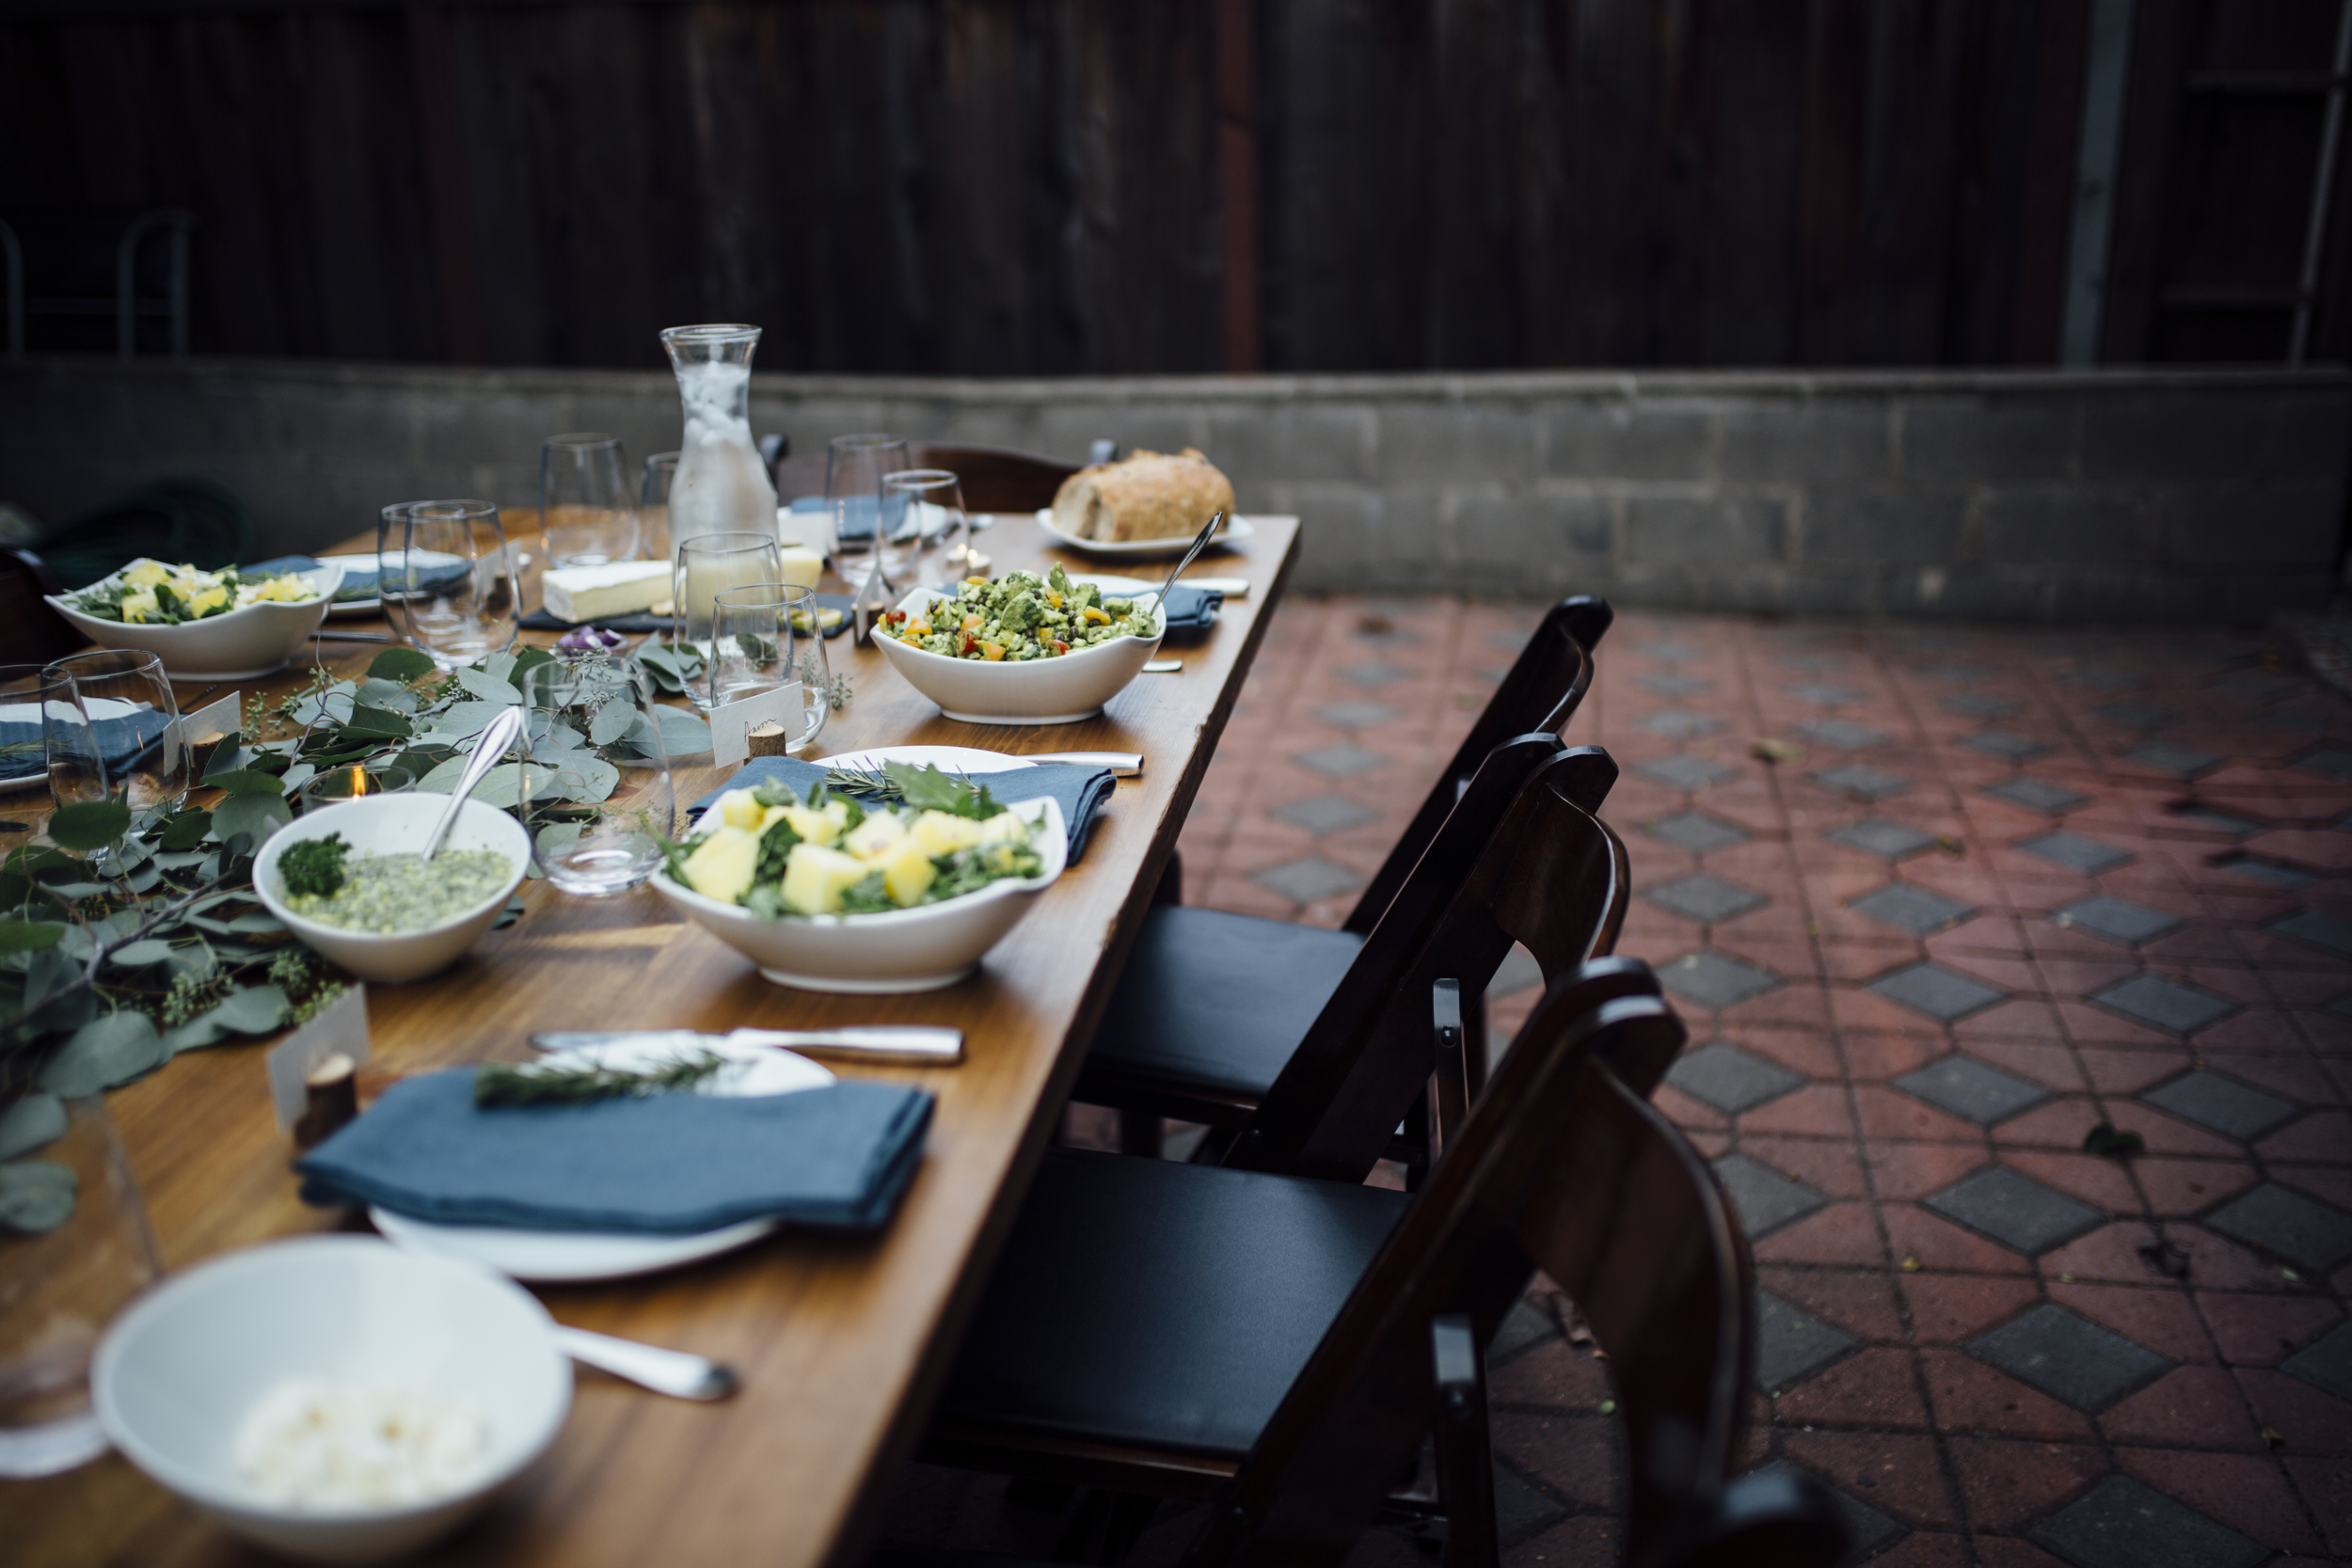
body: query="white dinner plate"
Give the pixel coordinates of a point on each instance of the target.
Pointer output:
(29, 713)
(954, 760)
(1235, 530)
(555, 1255)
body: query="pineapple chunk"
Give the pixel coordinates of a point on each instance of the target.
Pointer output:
(1004, 826)
(814, 878)
(741, 808)
(818, 827)
(907, 873)
(873, 838)
(941, 835)
(721, 865)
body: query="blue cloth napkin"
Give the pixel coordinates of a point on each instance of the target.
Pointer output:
(23, 752)
(643, 620)
(359, 582)
(1079, 791)
(838, 1158)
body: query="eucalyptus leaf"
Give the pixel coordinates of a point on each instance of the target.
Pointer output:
(28, 936)
(528, 659)
(103, 1053)
(683, 734)
(48, 969)
(389, 695)
(145, 878)
(377, 723)
(499, 667)
(563, 738)
(255, 1011)
(246, 782)
(260, 923)
(228, 757)
(89, 824)
(138, 955)
(187, 831)
(34, 1121)
(464, 721)
(193, 1035)
(611, 721)
(400, 664)
(588, 778)
(253, 817)
(35, 1195)
(490, 688)
(299, 774)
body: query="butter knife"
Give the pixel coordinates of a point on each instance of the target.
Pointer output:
(1124, 765)
(904, 1043)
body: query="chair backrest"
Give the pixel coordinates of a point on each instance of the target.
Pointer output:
(999, 479)
(1546, 682)
(30, 631)
(1543, 872)
(1560, 1167)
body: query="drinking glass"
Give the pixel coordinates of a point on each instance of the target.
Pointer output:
(348, 782)
(653, 505)
(59, 1287)
(446, 580)
(585, 518)
(24, 747)
(121, 741)
(762, 639)
(596, 793)
(924, 506)
(704, 568)
(855, 466)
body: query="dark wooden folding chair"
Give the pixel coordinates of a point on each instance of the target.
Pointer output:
(30, 631)
(1211, 1003)
(1262, 1018)
(999, 479)
(1285, 1346)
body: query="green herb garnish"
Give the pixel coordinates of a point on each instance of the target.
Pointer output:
(921, 787)
(315, 865)
(562, 1084)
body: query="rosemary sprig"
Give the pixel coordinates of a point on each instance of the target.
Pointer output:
(850, 781)
(557, 1084)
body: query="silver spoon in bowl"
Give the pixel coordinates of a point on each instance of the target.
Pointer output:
(501, 733)
(1200, 543)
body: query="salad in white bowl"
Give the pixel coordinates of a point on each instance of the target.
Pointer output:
(219, 626)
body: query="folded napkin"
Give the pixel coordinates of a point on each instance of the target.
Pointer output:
(359, 582)
(1079, 791)
(23, 754)
(839, 1157)
(643, 620)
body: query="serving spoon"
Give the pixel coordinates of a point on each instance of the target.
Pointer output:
(679, 1373)
(1200, 543)
(503, 732)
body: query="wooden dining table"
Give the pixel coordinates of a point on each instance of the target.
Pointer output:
(841, 1343)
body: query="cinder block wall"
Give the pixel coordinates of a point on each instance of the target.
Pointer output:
(2103, 496)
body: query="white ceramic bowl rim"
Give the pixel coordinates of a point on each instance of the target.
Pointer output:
(300, 829)
(332, 569)
(203, 1489)
(1060, 661)
(1002, 887)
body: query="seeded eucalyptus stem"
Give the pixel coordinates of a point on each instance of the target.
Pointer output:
(557, 1084)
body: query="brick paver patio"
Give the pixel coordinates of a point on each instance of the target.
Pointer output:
(1994, 888)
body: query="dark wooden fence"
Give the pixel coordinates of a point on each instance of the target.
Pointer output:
(1044, 187)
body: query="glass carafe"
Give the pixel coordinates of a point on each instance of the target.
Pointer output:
(722, 485)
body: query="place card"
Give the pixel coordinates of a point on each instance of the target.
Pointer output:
(224, 716)
(731, 723)
(341, 1029)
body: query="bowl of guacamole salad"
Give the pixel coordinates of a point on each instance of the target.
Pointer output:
(228, 623)
(900, 883)
(1024, 649)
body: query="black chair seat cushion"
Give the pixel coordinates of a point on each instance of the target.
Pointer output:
(1168, 1305)
(1218, 1001)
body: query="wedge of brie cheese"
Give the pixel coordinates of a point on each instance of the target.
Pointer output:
(619, 588)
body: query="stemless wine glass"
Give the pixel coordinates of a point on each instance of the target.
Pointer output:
(760, 637)
(585, 518)
(596, 793)
(126, 744)
(448, 588)
(925, 507)
(653, 505)
(705, 567)
(855, 466)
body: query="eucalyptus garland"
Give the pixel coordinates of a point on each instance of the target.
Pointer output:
(125, 941)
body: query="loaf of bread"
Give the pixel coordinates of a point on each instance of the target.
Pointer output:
(1142, 496)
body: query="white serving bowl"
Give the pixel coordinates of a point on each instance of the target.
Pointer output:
(385, 825)
(178, 1372)
(255, 641)
(918, 949)
(1033, 691)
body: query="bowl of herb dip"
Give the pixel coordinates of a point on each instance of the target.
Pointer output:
(351, 882)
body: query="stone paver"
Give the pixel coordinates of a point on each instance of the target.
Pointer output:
(1913, 1178)
(1341, 761)
(1910, 909)
(1842, 735)
(1704, 897)
(2003, 743)
(2077, 852)
(1325, 813)
(1355, 715)
(1680, 724)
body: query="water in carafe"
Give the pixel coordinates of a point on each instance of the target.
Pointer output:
(722, 485)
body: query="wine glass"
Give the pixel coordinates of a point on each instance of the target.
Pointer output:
(653, 505)
(584, 516)
(705, 567)
(765, 636)
(119, 740)
(597, 792)
(855, 466)
(924, 506)
(449, 589)
(25, 791)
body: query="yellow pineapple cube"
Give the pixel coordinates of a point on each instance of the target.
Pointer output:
(721, 865)
(941, 835)
(907, 873)
(814, 878)
(741, 808)
(873, 838)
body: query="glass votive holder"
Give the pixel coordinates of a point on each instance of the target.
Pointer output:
(350, 781)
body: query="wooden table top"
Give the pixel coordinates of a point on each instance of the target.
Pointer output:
(841, 1343)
